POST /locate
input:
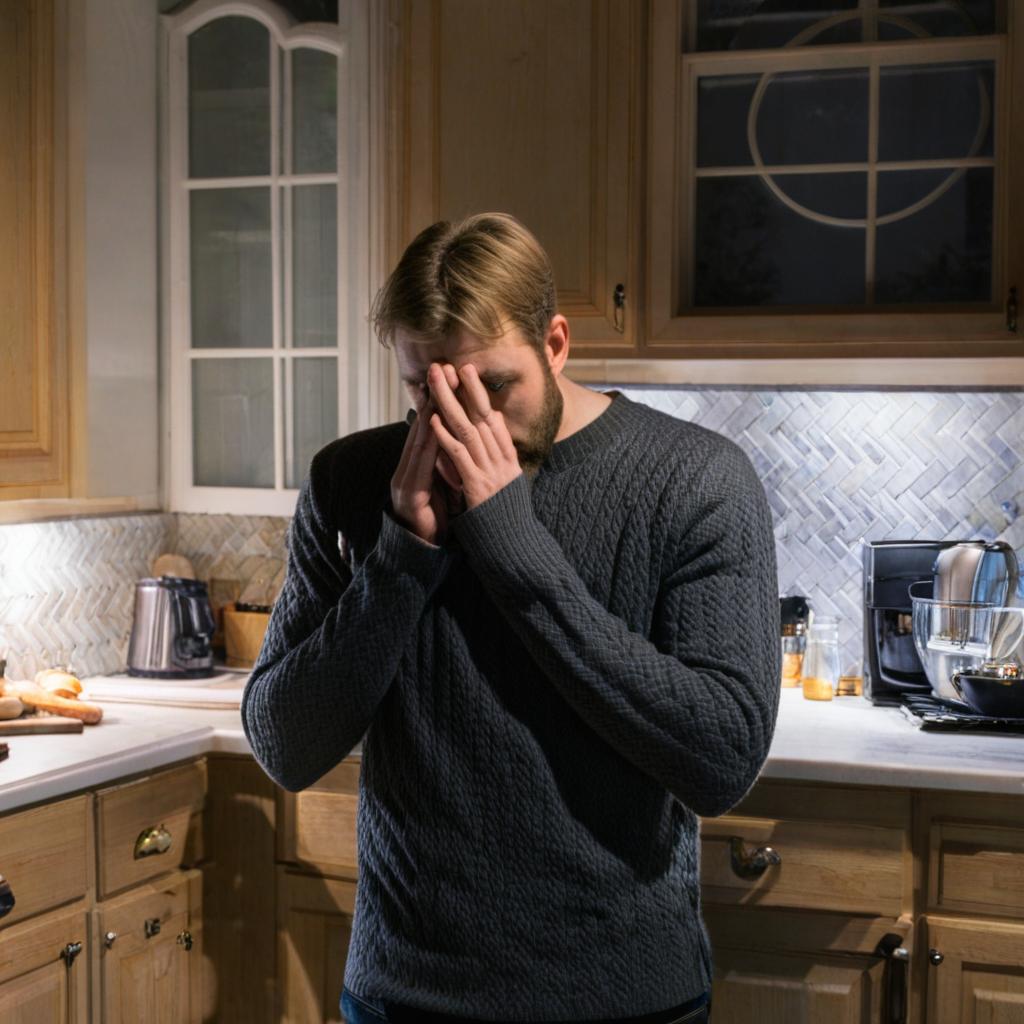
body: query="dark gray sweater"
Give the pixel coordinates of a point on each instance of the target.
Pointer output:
(549, 699)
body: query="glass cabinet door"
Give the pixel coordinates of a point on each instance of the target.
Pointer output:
(259, 195)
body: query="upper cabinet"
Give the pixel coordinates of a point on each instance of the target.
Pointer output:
(765, 179)
(835, 179)
(534, 108)
(263, 251)
(34, 441)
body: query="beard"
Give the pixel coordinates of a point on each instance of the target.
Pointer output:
(540, 437)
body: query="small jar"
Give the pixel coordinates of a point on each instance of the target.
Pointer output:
(794, 643)
(821, 660)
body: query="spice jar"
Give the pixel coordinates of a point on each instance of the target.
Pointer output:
(794, 644)
(821, 660)
(793, 612)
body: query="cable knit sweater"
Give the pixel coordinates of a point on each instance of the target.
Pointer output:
(547, 701)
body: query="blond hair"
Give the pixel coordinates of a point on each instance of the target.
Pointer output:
(486, 273)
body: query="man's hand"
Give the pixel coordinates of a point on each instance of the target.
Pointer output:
(420, 499)
(472, 435)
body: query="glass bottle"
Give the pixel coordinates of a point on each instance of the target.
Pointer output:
(794, 643)
(821, 660)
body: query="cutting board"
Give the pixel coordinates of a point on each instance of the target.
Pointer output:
(31, 724)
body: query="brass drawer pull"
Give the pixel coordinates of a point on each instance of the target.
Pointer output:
(6, 897)
(751, 864)
(152, 841)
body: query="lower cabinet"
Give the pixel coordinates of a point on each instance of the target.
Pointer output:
(44, 965)
(975, 971)
(149, 944)
(794, 966)
(314, 928)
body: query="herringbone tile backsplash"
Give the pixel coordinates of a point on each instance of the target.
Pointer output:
(838, 467)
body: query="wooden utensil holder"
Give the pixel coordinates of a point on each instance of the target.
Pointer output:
(243, 636)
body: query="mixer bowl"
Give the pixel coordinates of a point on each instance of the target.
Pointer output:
(954, 637)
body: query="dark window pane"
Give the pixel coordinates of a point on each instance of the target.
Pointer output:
(941, 253)
(229, 99)
(938, 17)
(938, 111)
(762, 24)
(722, 106)
(814, 117)
(752, 249)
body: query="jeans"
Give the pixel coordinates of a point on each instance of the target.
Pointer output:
(357, 1010)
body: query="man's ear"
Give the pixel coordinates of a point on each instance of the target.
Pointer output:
(556, 344)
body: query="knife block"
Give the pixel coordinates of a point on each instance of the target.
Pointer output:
(243, 636)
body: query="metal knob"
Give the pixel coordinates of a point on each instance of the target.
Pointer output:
(754, 863)
(6, 897)
(152, 927)
(108, 939)
(185, 939)
(69, 952)
(935, 957)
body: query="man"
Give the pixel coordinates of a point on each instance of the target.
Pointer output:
(552, 616)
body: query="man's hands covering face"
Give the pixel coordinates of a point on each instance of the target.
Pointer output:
(473, 437)
(457, 454)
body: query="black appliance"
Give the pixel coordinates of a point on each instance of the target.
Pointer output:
(892, 669)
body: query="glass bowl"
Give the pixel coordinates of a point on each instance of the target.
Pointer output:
(961, 636)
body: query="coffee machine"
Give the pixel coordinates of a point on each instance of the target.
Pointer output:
(892, 669)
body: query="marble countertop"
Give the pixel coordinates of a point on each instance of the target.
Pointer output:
(842, 741)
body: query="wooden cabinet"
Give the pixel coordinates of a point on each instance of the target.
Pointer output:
(150, 945)
(533, 108)
(44, 972)
(34, 419)
(975, 971)
(808, 899)
(314, 928)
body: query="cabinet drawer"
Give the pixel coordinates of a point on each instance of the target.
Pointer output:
(143, 828)
(318, 825)
(824, 865)
(44, 856)
(977, 868)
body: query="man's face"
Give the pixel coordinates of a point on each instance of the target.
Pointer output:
(518, 382)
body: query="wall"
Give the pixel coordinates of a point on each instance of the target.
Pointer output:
(113, 125)
(838, 467)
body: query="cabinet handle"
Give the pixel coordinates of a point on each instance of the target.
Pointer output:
(1011, 310)
(108, 939)
(185, 939)
(152, 927)
(935, 957)
(152, 841)
(618, 302)
(894, 981)
(751, 864)
(69, 952)
(6, 897)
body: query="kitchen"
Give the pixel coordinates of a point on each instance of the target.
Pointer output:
(894, 422)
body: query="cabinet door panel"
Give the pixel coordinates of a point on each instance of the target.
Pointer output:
(39, 997)
(980, 978)
(532, 108)
(798, 989)
(314, 928)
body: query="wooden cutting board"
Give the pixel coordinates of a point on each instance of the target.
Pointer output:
(31, 724)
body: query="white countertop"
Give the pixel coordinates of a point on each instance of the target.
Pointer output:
(844, 741)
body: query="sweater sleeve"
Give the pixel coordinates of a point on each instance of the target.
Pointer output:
(693, 705)
(334, 642)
